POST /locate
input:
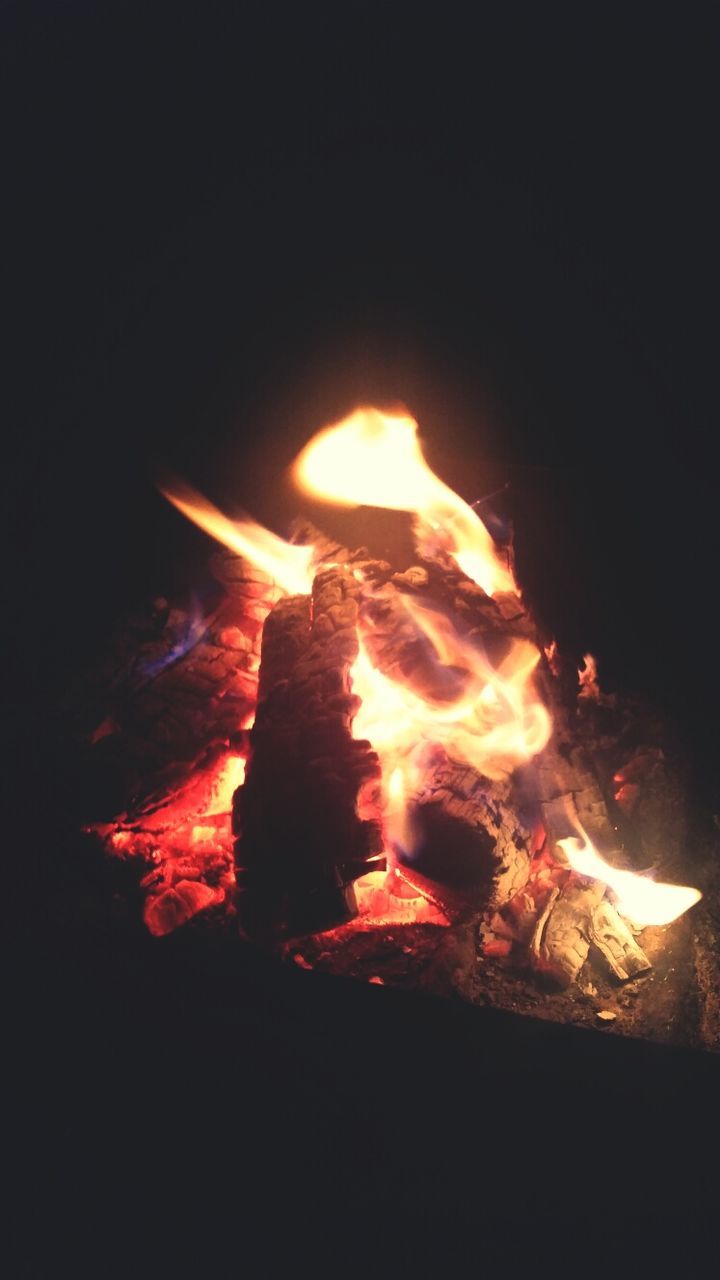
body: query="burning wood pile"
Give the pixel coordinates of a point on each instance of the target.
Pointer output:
(340, 751)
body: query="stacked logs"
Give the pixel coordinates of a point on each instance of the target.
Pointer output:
(307, 818)
(301, 837)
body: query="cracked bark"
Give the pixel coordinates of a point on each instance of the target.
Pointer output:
(301, 839)
(177, 685)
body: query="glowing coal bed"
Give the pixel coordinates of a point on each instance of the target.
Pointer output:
(390, 773)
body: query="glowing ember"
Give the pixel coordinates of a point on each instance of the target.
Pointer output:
(639, 899)
(188, 841)
(378, 904)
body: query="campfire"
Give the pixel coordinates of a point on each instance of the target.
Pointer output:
(386, 769)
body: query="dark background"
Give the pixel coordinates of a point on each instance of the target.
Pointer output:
(224, 225)
(227, 224)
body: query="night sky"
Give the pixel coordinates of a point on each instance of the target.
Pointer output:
(227, 224)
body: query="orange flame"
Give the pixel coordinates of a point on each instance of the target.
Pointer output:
(588, 678)
(488, 716)
(641, 900)
(494, 722)
(286, 564)
(374, 459)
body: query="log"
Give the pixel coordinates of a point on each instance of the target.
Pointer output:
(471, 847)
(301, 840)
(177, 684)
(472, 851)
(615, 940)
(561, 941)
(569, 793)
(396, 643)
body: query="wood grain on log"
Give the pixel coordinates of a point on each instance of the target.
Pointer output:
(175, 686)
(561, 941)
(471, 842)
(300, 841)
(614, 939)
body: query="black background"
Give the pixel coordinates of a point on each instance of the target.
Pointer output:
(229, 224)
(224, 225)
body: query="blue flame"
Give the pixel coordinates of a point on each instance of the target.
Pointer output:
(186, 638)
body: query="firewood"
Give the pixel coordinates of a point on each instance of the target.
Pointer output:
(614, 939)
(176, 685)
(471, 845)
(561, 941)
(301, 841)
(570, 795)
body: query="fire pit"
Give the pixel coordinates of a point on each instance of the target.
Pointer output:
(385, 770)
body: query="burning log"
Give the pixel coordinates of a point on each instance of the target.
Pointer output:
(578, 913)
(470, 843)
(576, 916)
(301, 841)
(614, 939)
(472, 846)
(567, 788)
(394, 710)
(176, 686)
(468, 838)
(561, 942)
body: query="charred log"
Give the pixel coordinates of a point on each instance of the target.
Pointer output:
(400, 648)
(300, 840)
(469, 843)
(561, 941)
(176, 686)
(615, 940)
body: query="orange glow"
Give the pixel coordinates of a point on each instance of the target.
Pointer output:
(286, 564)
(188, 841)
(495, 721)
(229, 778)
(379, 905)
(487, 715)
(374, 459)
(641, 900)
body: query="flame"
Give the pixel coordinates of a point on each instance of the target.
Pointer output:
(190, 842)
(494, 721)
(639, 899)
(288, 565)
(588, 678)
(374, 459)
(488, 716)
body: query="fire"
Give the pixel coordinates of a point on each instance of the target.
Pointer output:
(374, 459)
(487, 715)
(641, 900)
(286, 564)
(588, 678)
(188, 841)
(495, 722)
